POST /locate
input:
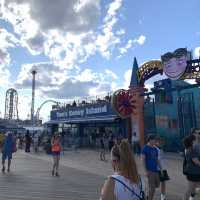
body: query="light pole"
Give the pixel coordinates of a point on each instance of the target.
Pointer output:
(33, 97)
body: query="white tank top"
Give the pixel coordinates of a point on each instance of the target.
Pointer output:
(121, 192)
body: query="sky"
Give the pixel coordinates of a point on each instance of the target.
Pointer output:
(82, 48)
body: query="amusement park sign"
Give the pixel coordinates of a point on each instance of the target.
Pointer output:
(174, 64)
(80, 112)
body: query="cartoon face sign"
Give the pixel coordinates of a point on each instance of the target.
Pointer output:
(174, 64)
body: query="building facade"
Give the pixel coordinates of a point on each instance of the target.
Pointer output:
(173, 112)
(83, 123)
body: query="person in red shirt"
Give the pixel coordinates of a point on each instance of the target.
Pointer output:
(56, 149)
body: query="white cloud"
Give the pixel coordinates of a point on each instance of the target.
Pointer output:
(71, 88)
(35, 44)
(108, 39)
(1, 12)
(120, 32)
(141, 40)
(148, 84)
(24, 106)
(55, 82)
(7, 40)
(111, 74)
(124, 49)
(48, 75)
(113, 8)
(70, 19)
(127, 78)
(4, 58)
(70, 35)
(86, 76)
(68, 32)
(70, 15)
(4, 72)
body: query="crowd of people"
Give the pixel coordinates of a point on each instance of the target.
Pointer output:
(80, 102)
(125, 182)
(11, 142)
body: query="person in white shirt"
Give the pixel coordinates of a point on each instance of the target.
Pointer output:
(125, 183)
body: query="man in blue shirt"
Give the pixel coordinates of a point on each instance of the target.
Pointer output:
(151, 163)
(7, 150)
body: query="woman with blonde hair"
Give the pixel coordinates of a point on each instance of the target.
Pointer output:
(125, 183)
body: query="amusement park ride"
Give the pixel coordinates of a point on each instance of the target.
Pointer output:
(177, 65)
(11, 105)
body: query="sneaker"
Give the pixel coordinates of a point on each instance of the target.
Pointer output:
(57, 174)
(163, 197)
(3, 170)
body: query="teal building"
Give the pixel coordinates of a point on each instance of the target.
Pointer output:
(172, 111)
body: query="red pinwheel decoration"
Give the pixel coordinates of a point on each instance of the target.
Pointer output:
(124, 102)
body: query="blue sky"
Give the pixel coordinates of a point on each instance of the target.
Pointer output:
(84, 47)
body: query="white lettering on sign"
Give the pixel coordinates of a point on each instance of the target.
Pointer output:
(76, 113)
(96, 110)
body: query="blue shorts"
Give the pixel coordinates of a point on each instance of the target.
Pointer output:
(55, 153)
(7, 155)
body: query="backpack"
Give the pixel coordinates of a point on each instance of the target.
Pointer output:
(142, 195)
(190, 168)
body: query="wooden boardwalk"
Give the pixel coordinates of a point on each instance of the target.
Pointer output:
(30, 179)
(82, 175)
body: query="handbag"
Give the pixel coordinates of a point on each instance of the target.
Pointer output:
(192, 169)
(164, 175)
(141, 196)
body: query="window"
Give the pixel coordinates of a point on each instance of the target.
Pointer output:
(162, 121)
(164, 97)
